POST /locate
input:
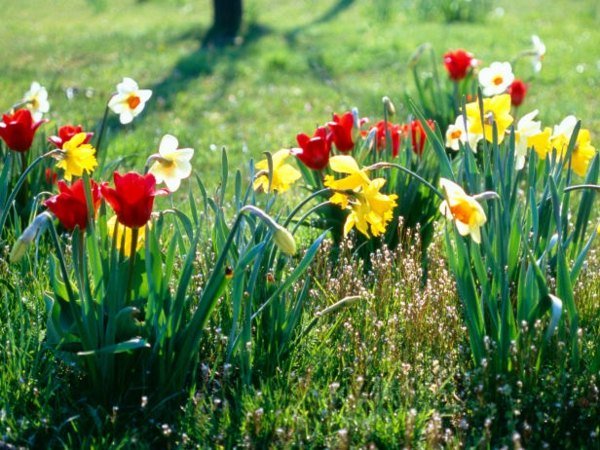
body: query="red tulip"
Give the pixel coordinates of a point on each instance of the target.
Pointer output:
(341, 131)
(458, 64)
(51, 176)
(394, 131)
(18, 130)
(70, 205)
(418, 137)
(517, 91)
(133, 198)
(65, 133)
(314, 151)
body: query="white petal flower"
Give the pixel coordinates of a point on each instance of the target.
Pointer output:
(539, 50)
(525, 128)
(171, 164)
(129, 100)
(459, 132)
(565, 128)
(36, 100)
(494, 80)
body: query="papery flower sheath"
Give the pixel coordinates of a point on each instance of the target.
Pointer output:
(70, 205)
(18, 130)
(129, 101)
(171, 164)
(132, 198)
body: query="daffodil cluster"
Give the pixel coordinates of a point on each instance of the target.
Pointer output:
(370, 210)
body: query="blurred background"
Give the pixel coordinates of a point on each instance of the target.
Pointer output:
(293, 64)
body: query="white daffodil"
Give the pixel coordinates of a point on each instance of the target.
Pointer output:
(539, 50)
(129, 100)
(526, 127)
(496, 78)
(459, 133)
(463, 209)
(565, 128)
(171, 164)
(36, 100)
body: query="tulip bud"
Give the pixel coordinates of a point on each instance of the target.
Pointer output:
(389, 106)
(28, 236)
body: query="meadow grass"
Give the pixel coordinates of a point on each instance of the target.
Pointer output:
(300, 62)
(392, 369)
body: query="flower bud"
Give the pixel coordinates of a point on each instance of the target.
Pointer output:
(28, 236)
(284, 240)
(389, 106)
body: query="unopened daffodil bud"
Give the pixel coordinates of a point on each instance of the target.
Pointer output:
(28, 236)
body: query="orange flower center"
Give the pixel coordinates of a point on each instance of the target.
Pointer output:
(498, 80)
(462, 212)
(456, 134)
(133, 101)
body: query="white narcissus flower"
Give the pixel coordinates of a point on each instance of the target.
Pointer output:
(565, 128)
(539, 50)
(463, 209)
(36, 100)
(129, 100)
(171, 164)
(496, 78)
(526, 127)
(458, 132)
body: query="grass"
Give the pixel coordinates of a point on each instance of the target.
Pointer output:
(301, 61)
(391, 370)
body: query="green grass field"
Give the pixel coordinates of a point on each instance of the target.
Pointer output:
(392, 370)
(301, 62)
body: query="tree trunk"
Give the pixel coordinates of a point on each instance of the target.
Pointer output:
(227, 20)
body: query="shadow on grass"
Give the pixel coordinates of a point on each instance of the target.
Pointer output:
(203, 61)
(199, 63)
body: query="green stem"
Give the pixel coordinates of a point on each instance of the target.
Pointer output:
(383, 165)
(102, 128)
(18, 185)
(132, 254)
(582, 186)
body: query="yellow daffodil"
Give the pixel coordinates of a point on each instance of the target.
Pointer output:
(540, 142)
(346, 164)
(124, 243)
(36, 100)
(526, 128)
(463, 209)
(371, 211)
(495, 110)
(458, 133)
(171, 164)
(129, 100)
(77, 156)
(283, 176)
(496, 78)
(583, 153)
